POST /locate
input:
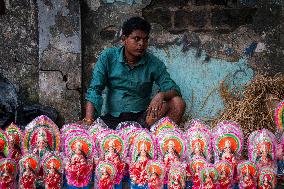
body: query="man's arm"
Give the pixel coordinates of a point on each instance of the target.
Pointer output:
(157, 102)
(168, 90)
(90, 112)
(94, 92)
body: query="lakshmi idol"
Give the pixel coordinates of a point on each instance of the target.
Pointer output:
(262, 148)
(227, 153)
(41, 136)
(193, 169)
(228, 144)
(199, 137)
(247, 181)
(264, 158)
(105, 174)
(8, 169)
(15, 141)
(28, 178)
(113, 149)
(137, 169)
(78, 169)
(155, 170)
(4, 145)
(225, 171)
(172, 148)
(113, 156)
(197, 151)
(29, 166)
(143, 151)
(42, 146)
(53, 171)
(176, 177)
(267, 178)
(105, 181)
(247, 173)
(208, 177)
(171, 156)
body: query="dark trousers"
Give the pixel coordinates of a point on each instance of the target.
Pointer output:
(112, 121)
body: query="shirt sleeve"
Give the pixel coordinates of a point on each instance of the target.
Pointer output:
(98, 83)
(163, 79)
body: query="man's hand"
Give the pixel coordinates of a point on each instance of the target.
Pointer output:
(85, 122)
(88, 121)
(159, 106)
(154, 110)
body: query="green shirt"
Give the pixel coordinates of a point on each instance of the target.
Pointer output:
(128, 89)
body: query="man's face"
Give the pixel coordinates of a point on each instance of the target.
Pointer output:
(136, 43)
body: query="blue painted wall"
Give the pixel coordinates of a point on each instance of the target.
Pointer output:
(200, 79)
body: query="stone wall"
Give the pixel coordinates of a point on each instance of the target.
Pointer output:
(19, 47)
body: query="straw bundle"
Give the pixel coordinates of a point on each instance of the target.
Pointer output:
(253, 108)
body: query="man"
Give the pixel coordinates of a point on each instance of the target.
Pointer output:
(129, 72)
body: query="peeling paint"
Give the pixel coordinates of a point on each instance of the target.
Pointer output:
(261, 47)
(47, 20)
(250, 49)
(200, 80)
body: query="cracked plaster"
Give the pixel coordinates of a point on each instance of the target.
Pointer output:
(60, 56)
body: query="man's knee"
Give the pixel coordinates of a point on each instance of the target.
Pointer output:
(178, 104)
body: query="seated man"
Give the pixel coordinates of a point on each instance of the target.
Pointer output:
(128, 73)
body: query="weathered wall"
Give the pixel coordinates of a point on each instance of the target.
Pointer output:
(203, 43)
(40, 53)
(19, 47)
(60, 57)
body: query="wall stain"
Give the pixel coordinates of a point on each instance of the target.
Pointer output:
(199, 82)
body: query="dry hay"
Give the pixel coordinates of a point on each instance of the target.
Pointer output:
(253, 108)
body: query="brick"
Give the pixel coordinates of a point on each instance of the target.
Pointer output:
(195, 18)
(182, 19)
(267, 17)
(214, 2)
(233, 17)
(108, 33)
(201, 2)
(160, 16)
(168, 3)
(248, 2)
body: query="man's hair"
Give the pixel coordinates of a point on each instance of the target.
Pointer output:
(135, 23)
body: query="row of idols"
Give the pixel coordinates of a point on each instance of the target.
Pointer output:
(79, 156)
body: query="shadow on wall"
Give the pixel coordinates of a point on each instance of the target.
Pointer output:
(2, 7)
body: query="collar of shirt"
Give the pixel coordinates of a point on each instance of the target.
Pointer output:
(122, 59)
